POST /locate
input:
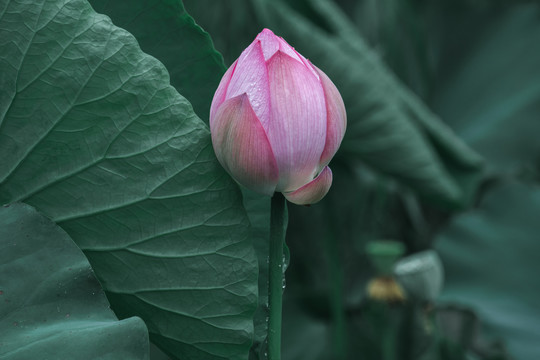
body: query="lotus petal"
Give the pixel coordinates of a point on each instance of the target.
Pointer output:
(313, 191)
(242, 147)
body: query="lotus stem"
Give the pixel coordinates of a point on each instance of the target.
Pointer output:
(278, 214)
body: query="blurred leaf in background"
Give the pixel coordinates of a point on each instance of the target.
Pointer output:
(52, 304)
(491, 258)
(489, 251)
(490, 94)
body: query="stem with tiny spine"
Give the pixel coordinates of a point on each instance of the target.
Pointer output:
(278, 214)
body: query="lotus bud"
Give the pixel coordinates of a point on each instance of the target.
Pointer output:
(276, 121)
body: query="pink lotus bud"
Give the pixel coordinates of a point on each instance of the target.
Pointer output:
(276, 121)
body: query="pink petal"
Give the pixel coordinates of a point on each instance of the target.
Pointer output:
(313, 191)
(251, 78)
(219, 96)
(297, 126)
(288, 49)
(269, 43)
(336, 118)
(242, 147)
(291, 51)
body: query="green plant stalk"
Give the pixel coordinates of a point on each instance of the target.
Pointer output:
(337, 308)
(278, 220)
(335, 285)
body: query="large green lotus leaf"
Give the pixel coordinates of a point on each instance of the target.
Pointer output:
(490, 256)
(166, 31)
(258, 209)
(492, 95)
(389, 128)
(93, 135)
(53, 307)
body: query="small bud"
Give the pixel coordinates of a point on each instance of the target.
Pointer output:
(276, 121)
(421, 274)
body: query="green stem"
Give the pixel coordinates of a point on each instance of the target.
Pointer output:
(275, 274)
(337, 308)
